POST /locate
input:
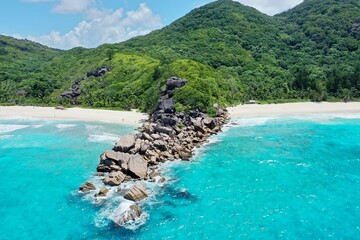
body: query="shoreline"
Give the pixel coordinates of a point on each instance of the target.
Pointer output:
(292, 109)
(75, 114)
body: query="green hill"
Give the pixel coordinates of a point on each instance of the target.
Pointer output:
(229, 52)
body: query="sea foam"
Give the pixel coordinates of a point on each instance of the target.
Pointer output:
(103, 138)
(65, 126)
(7, 128)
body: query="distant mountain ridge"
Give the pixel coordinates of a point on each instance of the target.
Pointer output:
(229, 52)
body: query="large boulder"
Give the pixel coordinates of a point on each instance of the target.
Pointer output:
(166, 105)
(175, 82)
(102, 192)
(169, 120)
(161, 145)
(127, 212)
(114, 178)
(99, 72)
(125, 143)
(198, 124)
(162, 129)
(137, 166)
(137, 193)
(209, 122)
(87, 187)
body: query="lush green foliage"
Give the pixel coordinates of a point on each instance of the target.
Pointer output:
(230, 53)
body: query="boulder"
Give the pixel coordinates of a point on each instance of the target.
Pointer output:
(147, 137)
(87, 187)
(144, 147)
(98, 72)
(162, 129)
(168, 156)
(155, 136)
(185, 155)
(137, 193)
(137, 166)
(114, 178)
(161, 145)
(102, 193)
(166, 105)
(198, 125)
(126, 213)
(209, 122)
(115, 167)
(125, 143)
(60, 108)
(103, 168)
(169, 121)
(111, 154)
(175, 82)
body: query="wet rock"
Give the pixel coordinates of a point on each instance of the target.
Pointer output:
(137, 166)
(103, 168)
(126, 213)
(102, 193)
(154, 174)
(114, 178)
(87, 187)
(137, 193)
(185, 155)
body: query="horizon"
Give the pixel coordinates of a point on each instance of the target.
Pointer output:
(63, 24)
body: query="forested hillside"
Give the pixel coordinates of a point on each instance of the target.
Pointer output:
(229, 52)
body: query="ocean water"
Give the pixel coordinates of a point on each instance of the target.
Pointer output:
(263, 178)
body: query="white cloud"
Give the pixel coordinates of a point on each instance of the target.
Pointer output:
(104, 26)
(271, 7)
(72, 6)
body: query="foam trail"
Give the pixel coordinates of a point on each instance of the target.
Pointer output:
(251, 122)
(65, 126)
(7, 128)
(103, 138)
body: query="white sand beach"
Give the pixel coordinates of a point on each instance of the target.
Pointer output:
(77, 114)
(286, 109)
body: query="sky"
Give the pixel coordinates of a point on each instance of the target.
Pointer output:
(65, 24)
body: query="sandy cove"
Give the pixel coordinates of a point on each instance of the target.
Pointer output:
(75, 114)
(286, 109)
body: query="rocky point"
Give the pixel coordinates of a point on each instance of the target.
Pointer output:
(166, 136)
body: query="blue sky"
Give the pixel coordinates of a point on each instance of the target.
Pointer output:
(66, 24)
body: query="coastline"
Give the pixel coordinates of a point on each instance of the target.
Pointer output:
(75, 114)
(289, 109)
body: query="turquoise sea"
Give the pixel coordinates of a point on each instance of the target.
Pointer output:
(263, 178)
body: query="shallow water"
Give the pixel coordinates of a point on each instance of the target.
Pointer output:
(266, 178)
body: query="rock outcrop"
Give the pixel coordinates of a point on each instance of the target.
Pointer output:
(102, 192)
(166, 136)
(73, 93)
(114, 178)
(126, 213)
(87, 187)
(137, 193)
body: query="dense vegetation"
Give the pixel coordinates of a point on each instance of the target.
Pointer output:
(230, 53)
